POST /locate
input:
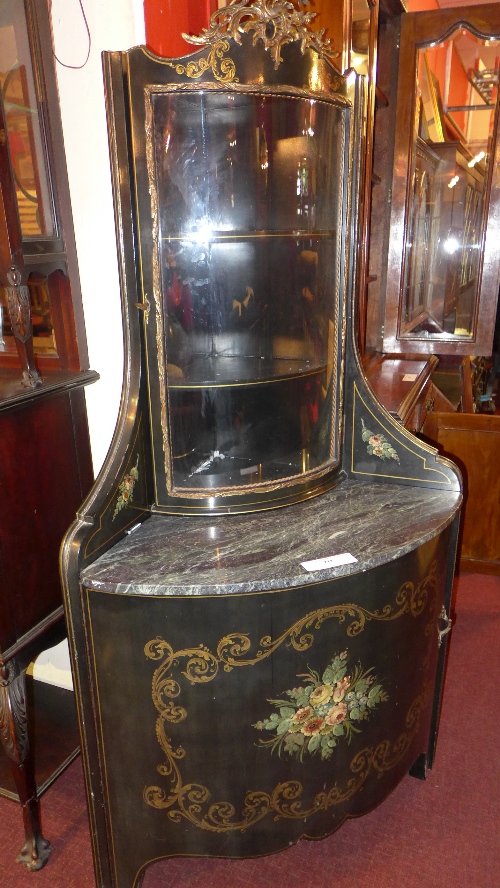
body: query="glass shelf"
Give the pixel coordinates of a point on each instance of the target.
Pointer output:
(219, 372)
(249, 433)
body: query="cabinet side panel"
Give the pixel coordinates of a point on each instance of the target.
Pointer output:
(40, 491)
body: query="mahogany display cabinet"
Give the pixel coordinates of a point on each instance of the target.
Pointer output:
(258, 587)
(45, 459)
(434, 262)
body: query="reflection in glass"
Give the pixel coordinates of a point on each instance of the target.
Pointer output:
(360, 36)
(24, 128)
(44, 342)
(457, 95)
(249, 266)
(2, 340)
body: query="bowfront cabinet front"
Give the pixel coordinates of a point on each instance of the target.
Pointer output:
(268, 703)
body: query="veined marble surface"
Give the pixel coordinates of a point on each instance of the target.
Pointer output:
(261, 551)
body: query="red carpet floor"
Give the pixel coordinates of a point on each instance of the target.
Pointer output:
(441, 833)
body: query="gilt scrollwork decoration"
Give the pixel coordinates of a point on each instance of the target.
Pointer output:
(221, 66)
(191, 801)
(203, 665)
(274, 22)
(288, 800)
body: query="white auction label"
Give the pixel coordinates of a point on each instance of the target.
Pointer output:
(332, 561)
(410, 377)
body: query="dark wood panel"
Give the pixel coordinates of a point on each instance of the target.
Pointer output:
(336, 19)
(45, 473)
(472, 440)
(403, 384)
(13, 393)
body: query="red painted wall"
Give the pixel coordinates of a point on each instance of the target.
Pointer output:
(421, 5)
(167, 20)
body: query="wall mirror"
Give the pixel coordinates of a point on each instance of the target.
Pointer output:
(446, 202)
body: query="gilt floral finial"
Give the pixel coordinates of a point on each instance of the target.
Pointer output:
(275, 22)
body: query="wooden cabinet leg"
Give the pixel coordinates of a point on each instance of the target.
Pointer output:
(14, 736)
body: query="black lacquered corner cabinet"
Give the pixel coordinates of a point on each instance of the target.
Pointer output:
(258, 586)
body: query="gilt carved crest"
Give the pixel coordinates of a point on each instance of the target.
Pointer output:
(275, 22)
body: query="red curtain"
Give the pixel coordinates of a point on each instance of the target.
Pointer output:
(167, 20)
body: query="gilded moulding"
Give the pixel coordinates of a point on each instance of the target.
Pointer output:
(331, 90)
(190, 800)
(150, 164)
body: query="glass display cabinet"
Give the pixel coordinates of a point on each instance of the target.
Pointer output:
(433, 257)
(442, 265)
(245, 364)
(262, 572)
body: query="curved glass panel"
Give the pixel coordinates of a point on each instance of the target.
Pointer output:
(457, 96)
(249, 194)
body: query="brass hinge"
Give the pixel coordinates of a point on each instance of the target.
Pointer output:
(447, 625)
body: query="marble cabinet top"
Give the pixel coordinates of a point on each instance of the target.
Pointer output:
(261, 551)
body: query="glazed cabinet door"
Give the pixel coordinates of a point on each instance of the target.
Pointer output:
(442, 266)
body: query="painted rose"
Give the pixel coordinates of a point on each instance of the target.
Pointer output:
(377, 445)
(340, 689)
(313, 726)
(320, 695)
(315, 718)
(126, 489)
(337, 714)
